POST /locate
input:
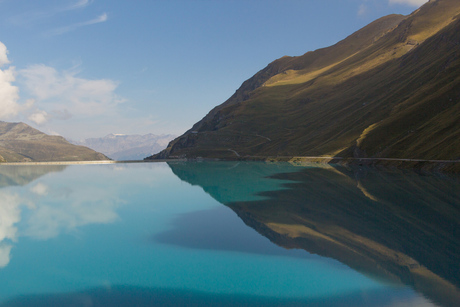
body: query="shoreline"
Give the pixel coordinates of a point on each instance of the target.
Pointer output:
(444, 166)
(86, 162)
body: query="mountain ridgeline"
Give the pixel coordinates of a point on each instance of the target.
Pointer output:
(127, 147)
(22, 143)
(390, 90)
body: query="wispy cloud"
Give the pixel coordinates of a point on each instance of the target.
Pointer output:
(79, 4)
(362, 10)
(62, 30)
(31, 17)
(416, 3)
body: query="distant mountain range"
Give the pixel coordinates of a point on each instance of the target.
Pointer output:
(22, 143)
(128, 147)
(391, 89)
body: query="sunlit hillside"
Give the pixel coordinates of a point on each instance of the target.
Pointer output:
(392, 89)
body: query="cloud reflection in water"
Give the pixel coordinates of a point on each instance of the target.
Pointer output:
(47, 208)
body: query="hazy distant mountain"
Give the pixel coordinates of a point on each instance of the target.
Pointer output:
(128, 147)
(22, 143)
(391, 89)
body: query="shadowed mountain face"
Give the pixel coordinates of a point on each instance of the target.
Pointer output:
(392, 89)
(397, 226)
(22, 143)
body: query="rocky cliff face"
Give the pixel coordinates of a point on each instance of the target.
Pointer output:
(389, 90)
(22, 143)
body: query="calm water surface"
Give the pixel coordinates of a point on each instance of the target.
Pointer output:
(227, 234)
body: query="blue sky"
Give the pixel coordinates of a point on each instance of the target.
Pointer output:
(87, 68)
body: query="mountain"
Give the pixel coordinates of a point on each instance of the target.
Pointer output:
(128, 147)
(390, 90)
(22, 143)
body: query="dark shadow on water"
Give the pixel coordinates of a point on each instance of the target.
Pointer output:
(220, 229)
(139, 297)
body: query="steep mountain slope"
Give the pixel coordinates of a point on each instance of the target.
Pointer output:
(128, 147)
(392, 89)
(22, 143)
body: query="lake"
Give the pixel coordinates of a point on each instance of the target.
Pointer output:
(227, 234)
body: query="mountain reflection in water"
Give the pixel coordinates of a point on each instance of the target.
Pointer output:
(395, 225)
(12, 175)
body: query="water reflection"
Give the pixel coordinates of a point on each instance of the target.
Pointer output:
(11, 175)
(10, 203)
(396, 226)
(53, 206)
(216, 229)
(144, 297)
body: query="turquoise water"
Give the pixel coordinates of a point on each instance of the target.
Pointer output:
(158, 234)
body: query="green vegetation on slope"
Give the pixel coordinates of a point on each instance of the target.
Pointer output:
(389, 90)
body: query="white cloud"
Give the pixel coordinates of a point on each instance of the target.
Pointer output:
(62, 30)
(62, 211)
(10, 214)
(66, 95)
(416, 3)
(3, 55)
(5, 250)
(362, 10)
(39, 117)
(31, 17)
(68, 211)
(9, 94)
(79, 4)
(40, 189)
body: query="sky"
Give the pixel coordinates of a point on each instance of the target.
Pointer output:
(88, 68)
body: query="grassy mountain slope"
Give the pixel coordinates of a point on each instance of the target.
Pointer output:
(22, 143)
(389, 90)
